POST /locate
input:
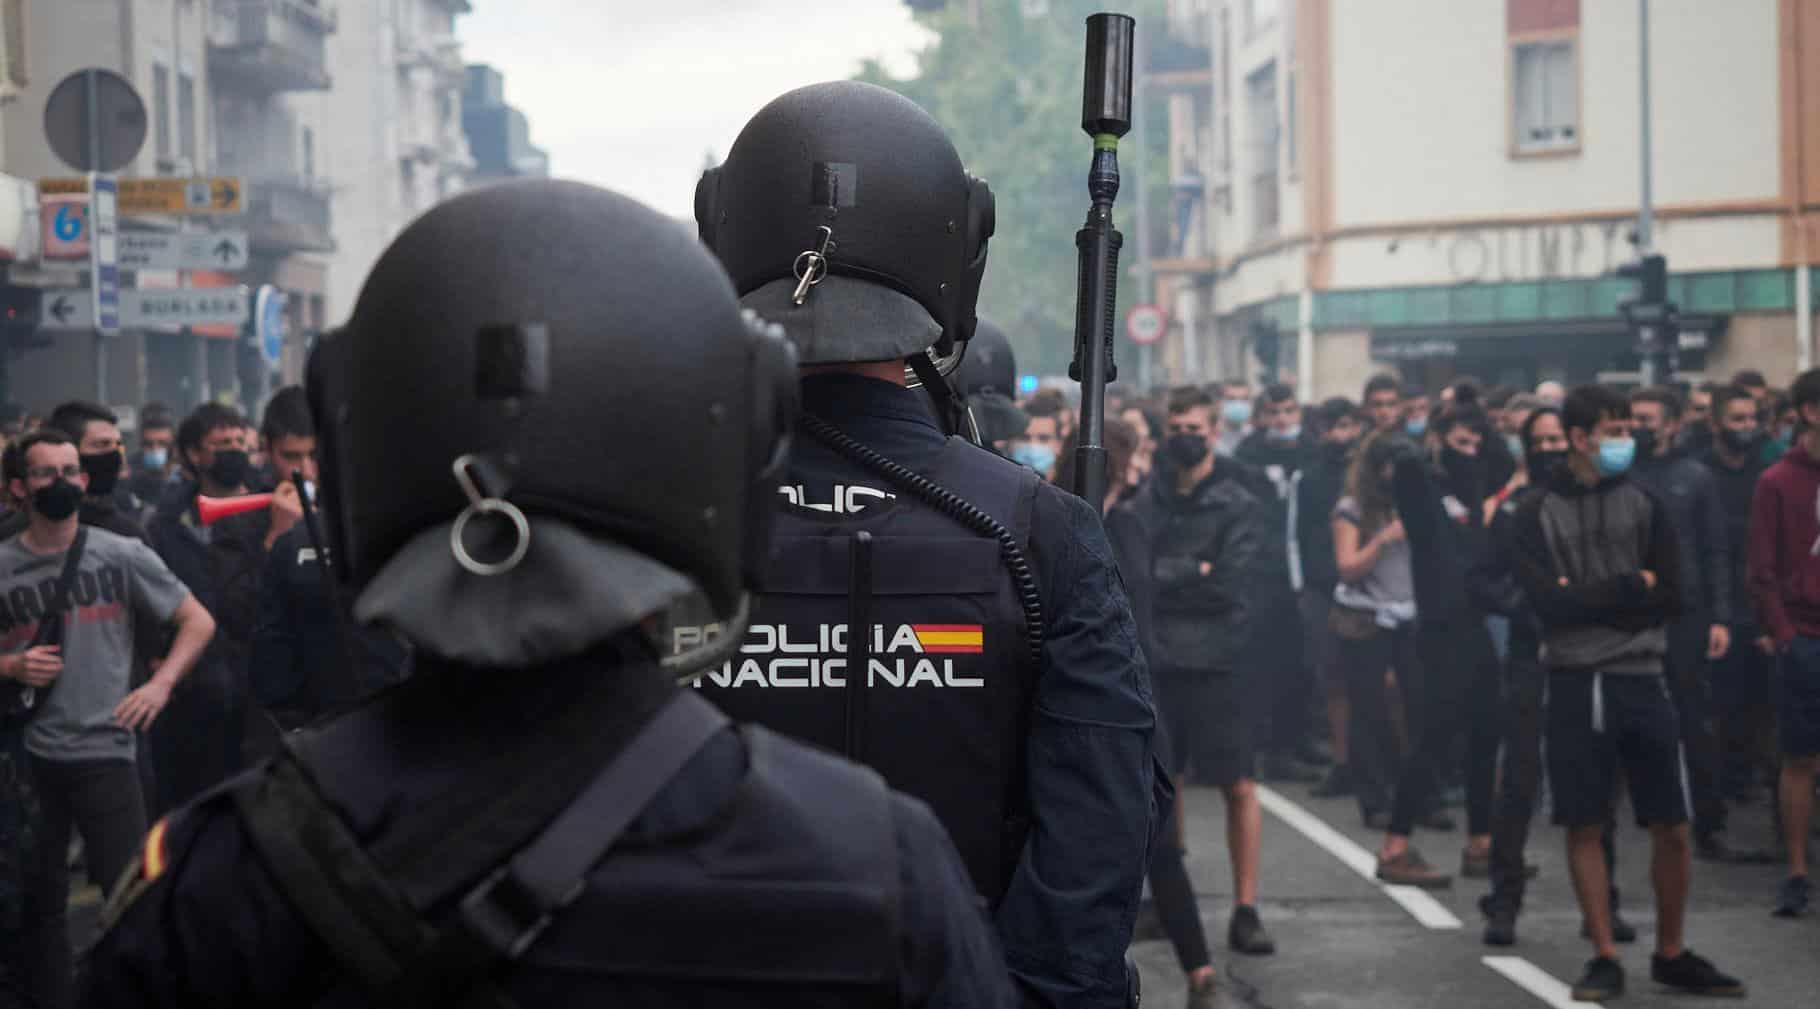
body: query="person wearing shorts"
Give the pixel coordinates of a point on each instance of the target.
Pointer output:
(1784, 578)
(1204, 529)
(1596, 557)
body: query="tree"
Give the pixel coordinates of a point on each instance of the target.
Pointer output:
(1008, 90)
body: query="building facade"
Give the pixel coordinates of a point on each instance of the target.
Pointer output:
(498, 134)
(397, 146)
(1442, 188)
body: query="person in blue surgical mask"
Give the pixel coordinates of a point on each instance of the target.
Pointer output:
(152, 466)
(1037, 447)
(1236, 416)
(1415, 411)
(1595, 554)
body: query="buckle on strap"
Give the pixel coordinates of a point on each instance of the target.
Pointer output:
(506, 915)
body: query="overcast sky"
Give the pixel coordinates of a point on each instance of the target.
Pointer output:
(634, 94)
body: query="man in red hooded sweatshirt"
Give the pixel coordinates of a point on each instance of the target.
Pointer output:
(1785, 581)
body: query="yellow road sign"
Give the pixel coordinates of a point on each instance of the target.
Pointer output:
(221, 194)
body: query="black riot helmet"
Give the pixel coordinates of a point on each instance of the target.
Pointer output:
(843, 214)
(990, 366)
(539, 365)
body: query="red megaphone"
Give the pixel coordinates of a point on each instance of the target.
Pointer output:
(214, 509)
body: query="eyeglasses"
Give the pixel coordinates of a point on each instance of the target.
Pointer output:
(70, 472)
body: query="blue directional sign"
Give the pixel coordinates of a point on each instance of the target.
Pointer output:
(104, 251)
(269, 322)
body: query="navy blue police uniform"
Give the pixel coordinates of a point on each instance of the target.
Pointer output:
(1039, 766)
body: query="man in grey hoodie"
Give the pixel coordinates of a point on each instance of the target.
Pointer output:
(1596, 556)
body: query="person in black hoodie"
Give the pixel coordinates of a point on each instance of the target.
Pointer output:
(1204, 530)
(1702, 634)
(1336, 427)
(1596, 556)
(1741, 678)
(1278, 680)
(200, 740)
(1442, 507)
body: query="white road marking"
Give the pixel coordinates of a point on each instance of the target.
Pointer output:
(1426, 910)
(1535, 981)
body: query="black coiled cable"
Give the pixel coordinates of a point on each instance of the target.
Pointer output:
(947, 502)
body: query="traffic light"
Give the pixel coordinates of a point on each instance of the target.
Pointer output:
(1651, 274)
(19, 313)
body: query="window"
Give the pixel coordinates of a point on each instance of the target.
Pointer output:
(309, 154)
(1263, 148)
(186, 118)
(1289, 123)
(1545, 96)
(161, 111)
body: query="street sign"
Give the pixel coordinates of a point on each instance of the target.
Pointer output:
(95, 121)
(65, 226)
(104, 254)
(225, 251)
(216, 194)
(1145, 324)
(269, 322)
(73, 308)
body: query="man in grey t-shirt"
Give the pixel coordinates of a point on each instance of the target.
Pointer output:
(76, 661)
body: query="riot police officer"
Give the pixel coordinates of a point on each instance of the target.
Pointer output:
(443, 844)
(996, 671)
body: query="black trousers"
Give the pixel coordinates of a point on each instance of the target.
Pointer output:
(101, 799)
(1376, 757)
(1175, 903)
(1746, 714)
(1458, 675)
(1278, 678)
(1690, 685)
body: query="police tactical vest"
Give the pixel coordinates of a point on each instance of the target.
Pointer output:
(941, 709)
(793, 888)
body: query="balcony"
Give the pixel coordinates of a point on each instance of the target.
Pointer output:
(269, 46)
(288, 214)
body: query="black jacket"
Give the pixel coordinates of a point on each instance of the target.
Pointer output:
(221, 567)
(1444, 536)
(1735, 487)
(298, 658)
(1268, 472)
(1689, 492)
(1491, 578)
(1318, 488)
(464, 766)
(1202, 621)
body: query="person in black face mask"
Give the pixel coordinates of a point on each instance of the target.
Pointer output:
(1336, 425)
(96, 431)
(1740, 679)
(202, 740)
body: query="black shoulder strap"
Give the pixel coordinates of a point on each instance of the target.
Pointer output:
(376, 935)
(17, 701)
(50, 629)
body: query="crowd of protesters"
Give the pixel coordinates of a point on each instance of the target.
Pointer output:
(1430, 599)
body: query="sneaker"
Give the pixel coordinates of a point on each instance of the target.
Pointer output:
(1410, 869)
(1501, 926)
(1337, 783)
(1246, 933)
(1621, 930)
(1604, 979)
(1792, 897)
(1694, 974)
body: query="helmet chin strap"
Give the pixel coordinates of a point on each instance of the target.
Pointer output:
(950, 409)
(691, 665)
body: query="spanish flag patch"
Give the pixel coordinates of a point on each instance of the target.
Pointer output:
(151, 862)
(950, 639)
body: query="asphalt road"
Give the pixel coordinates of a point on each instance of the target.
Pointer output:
(1345, 942)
